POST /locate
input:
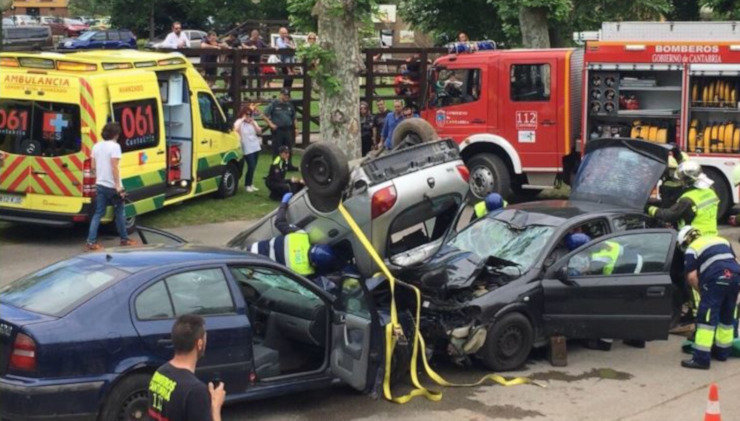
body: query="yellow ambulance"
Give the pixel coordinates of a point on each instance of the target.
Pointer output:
(176, 141)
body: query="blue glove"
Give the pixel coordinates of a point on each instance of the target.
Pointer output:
(286, 197)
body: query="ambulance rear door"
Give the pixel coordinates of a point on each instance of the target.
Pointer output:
(40, 141)
(135, 103)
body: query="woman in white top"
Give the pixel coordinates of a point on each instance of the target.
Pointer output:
(249, 132)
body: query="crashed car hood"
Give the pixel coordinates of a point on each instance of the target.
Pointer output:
(620, 172)
(462, 266)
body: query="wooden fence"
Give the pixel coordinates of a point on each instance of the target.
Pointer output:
(240, 75)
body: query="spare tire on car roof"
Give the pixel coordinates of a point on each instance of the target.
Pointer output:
(325, 170)
(413, 131)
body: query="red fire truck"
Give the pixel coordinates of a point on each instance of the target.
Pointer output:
(519, 115)
(669, 82)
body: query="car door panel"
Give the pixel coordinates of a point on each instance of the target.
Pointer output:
(228, 355)
(618, 305)
(356, 336)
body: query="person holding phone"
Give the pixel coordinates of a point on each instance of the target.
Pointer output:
(249, 132)
(175, 394)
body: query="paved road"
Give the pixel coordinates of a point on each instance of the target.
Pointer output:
(624, 384)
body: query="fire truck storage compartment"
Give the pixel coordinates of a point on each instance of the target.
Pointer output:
(178, 129)
(714, 109)
(634, 100)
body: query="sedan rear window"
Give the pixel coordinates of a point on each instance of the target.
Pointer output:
(59, 288)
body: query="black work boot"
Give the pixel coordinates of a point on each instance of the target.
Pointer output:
(598, 344)
(635, 343)
(692, 363)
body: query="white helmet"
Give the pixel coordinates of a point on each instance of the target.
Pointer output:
(688, 172)
(687, 235)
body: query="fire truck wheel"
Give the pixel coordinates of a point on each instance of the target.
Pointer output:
(723, 191)
(229, 181)
(412, 132)
(488, 174)
(325, 171)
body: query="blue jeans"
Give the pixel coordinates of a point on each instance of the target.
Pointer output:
(107, 196)
(250, 161)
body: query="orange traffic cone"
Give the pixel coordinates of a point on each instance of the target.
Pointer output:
(712, 413)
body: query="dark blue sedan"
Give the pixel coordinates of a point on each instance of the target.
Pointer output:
(81, 338)
(109, 39)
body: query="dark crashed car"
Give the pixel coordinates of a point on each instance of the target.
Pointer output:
(81, 338)
(507, 282)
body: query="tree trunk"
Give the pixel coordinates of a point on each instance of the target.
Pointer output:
(340, 113)
(151, 21)
(533, 24)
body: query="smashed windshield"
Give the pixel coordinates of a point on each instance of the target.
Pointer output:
(491, 237)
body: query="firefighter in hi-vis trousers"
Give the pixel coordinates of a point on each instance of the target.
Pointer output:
(711, 268)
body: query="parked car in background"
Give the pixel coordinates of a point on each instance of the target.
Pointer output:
(75, 27)
(270, 331)
(55, 23)
(194, 37)
(24, 20)
(18, 38)
(8, 22)
(112, 39)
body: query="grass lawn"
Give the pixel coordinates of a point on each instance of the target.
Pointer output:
(207, 209)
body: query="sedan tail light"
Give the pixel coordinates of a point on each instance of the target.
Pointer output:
(383, 201)
(23, 355)
(464, 172)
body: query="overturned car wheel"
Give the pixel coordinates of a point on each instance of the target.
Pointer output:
(325, 171)
(413, 131)
(508, 343)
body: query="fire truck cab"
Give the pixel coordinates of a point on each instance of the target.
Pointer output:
(513, 112)
(669, 82)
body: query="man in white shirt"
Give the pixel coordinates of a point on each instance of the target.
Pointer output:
(176, 38)
(106, 162)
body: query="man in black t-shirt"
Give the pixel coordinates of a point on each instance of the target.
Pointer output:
(175, 394)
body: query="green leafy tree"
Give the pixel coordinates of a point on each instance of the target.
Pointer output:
(723, 9)
(156, 16)
(4, 5)
(444, 19)
(89, 7)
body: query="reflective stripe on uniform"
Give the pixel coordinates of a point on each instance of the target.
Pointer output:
(704, 337)
(724, 336)
(297, 247)
(705, 205)
(480, 209)
(715, 258)
(608, 256)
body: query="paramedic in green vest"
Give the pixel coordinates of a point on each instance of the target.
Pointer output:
(492, 202)
(293, 247)
(697, 206)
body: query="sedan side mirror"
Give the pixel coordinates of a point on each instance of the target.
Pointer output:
(562, 276)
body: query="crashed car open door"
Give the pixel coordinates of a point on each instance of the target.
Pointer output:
(357, 340)
(621, 172)
(617, 286)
